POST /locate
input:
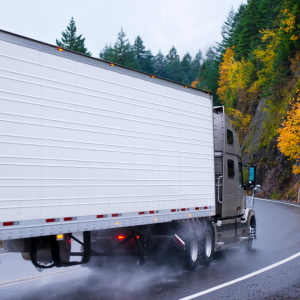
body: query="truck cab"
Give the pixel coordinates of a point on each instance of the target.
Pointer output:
(233, 218)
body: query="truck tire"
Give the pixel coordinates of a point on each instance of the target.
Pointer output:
(192, 253)
(206, 246)
(248, 245)
(252, 227)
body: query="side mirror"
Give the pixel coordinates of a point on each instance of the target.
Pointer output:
(257, 188)
(252, 176)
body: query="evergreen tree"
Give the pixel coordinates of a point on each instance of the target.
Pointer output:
(149, 63)
(140, 52)
(209, 74)
(249, 36)
(107, 53)
(160, 64)
(237, 24)
(172, 55)
(227, 30)
(71, 41)
(186, 80)
(186, 67)
(268, 12)
(144, 59)
(173, 68)
(196, 64)
(123, 53)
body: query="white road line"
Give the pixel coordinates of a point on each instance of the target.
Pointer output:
(242, 278)
(277, 202)
(251, 274)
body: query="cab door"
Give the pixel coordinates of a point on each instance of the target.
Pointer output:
(242, 193)
(231, 187)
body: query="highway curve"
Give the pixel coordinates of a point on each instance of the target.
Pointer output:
(278, 238)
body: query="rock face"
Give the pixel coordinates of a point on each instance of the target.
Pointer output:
(274, 170)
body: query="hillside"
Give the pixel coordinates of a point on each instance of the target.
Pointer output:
(275, 170)
(258, 82)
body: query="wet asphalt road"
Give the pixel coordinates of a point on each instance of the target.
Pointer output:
(278, 237)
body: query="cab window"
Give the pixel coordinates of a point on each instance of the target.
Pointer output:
(229, 137)
(230, 167)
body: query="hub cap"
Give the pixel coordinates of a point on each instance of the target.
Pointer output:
(208, 244)
(194, 248)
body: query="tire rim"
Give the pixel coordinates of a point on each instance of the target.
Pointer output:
(207, 244)
(250, 237)
(194, 248)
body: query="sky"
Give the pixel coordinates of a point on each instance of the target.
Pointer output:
(189, 25)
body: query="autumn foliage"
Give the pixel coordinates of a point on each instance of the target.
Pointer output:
(289, 135)
(234, 78)
(194, 83)
(240, 122)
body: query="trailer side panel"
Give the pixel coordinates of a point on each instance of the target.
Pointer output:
(84, 147)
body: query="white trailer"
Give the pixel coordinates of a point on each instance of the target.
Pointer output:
(86, 146)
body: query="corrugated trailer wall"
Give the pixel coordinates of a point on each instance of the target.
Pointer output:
(97, 148)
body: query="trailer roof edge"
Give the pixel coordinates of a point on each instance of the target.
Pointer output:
(97, 62)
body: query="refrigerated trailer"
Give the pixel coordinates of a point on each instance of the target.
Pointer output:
(141, 165)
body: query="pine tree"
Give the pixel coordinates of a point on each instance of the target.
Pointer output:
(107, 53)
(227, 30)
(268, 12)
(144, 59)
(71, 41)
(237, 24)
(148, 66)
(196, 64)
(173, 68)
(123, 54)
(172, 55)
(160, 64)
(209, 74)
(140, 52)
(186, 67)
(186, 80)
(249, 36)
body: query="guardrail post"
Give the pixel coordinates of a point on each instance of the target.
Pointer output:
(298, 194)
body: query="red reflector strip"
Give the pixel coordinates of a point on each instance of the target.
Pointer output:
(205, 207)
(8, 223)
(100, 216)
(151, 212)
(68, 219)
(179, 240)
(141, 213)
(183, 209)
(114, 215)
(196, 208)
(173, 210)
(50, 220)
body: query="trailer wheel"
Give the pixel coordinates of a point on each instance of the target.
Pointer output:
(206, 247)
(192, 255)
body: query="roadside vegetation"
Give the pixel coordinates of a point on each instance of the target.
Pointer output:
(254, 71)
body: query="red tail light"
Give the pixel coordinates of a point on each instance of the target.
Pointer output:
(121, 237)
(8, 223)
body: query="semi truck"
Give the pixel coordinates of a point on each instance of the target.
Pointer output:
(124, 163)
